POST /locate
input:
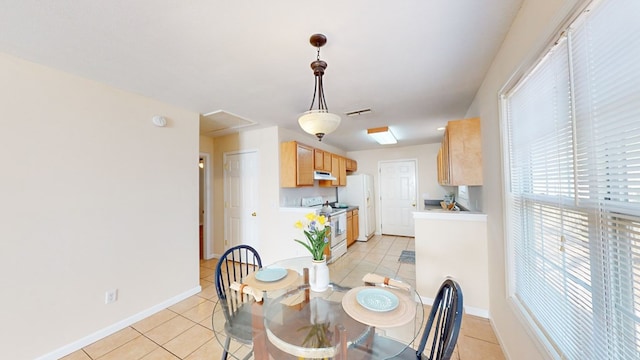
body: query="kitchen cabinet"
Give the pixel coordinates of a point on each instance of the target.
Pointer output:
(350, 238)
(342, 171)
(352, 165)
(356, 224)
(459, 158)
(296, 164)
(321, 160)
(338, 170)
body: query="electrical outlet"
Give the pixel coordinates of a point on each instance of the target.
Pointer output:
(111, 296)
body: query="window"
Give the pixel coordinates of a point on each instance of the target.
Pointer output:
(573, 187)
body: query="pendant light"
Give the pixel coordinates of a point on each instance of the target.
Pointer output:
(320, 121)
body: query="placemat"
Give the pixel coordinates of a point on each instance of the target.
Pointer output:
(290, 279)
(405, 312)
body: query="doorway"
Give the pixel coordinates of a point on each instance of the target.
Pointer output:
(398, 189)
(241, 198)
(204, 207)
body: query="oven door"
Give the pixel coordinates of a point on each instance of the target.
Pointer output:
(338, 229)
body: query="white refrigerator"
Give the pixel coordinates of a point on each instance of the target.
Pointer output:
(359, 192)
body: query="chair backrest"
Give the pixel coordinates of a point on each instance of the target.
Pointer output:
(234, 265)
(444, 323)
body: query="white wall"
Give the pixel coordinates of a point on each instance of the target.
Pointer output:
(453, 245)
(426, 156)
(92, 197)
(265, 142)
(530, 32)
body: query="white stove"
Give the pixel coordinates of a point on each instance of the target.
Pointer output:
(337, 219)
(316, 202)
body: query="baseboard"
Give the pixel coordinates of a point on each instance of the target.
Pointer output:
(90, 339)
(469, 310)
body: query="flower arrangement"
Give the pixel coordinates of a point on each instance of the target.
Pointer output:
(319, 335)
(316, 232)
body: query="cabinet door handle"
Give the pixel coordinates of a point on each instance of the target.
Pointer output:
(253, 213)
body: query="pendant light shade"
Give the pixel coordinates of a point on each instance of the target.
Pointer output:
(319, 121)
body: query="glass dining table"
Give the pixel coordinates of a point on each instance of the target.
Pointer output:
(343, 322)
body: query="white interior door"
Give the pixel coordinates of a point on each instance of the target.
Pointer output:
(397, 197)
(241, 198)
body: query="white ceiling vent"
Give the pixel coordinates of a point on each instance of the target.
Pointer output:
(220, 122)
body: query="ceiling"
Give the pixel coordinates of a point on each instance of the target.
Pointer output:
(414, 63)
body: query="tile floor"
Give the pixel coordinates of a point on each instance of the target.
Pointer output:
(184, 330)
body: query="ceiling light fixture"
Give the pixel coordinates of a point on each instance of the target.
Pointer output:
(320, 121)
(382, 135)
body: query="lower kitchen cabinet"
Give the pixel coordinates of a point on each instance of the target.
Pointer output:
(353, 228)
(356, 225)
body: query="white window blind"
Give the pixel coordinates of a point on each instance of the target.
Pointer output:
(573, 142)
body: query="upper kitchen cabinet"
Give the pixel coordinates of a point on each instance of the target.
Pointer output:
(460, 155)
(338, 170)
(352, 165)
(322, 160)
(342, 171)
(296, 164)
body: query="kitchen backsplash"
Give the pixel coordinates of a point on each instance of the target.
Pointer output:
(291, 197)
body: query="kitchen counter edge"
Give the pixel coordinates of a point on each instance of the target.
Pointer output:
(450, 215)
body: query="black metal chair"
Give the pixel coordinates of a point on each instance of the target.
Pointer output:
(234, 265)
(442, 329)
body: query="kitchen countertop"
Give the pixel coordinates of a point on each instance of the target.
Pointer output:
(439, 213)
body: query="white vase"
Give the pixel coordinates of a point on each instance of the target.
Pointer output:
(319, 275)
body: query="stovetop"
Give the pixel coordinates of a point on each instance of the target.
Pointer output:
(316, 202)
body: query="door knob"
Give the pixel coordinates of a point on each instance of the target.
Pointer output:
(253, 213)
(414, 204)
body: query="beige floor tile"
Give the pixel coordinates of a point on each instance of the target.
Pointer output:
(160, 354)
(169, 330)
(211, 263)
(379, 249)
(77, 355)
(396, 250)
(374, 257)
(189, 341)
(134, 349)
(388, 266)
(200, 312)
(204, 271)
(187, 304)
(407, 271)
(205, 283)
(238, 349)
(154, 320)
(209, 292)
(111, 342)
(218, 320)
(207, 323)
(473, 349)
(478, 328)
(210, 350)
